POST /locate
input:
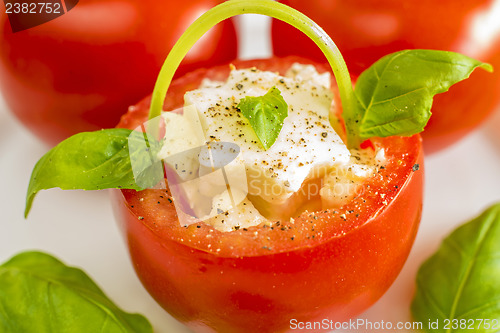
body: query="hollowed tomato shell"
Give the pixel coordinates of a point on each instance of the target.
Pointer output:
(325, 265)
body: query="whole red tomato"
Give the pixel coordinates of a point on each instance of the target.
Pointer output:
(80, 72)
(329, 264)
(365, 30)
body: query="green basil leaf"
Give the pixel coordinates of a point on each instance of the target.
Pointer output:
(265, 114)
(97, 160)
(38, 293)
(395, 94)
(461, 281)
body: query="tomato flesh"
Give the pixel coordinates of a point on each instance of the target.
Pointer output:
(330, 264)
(79, 72)
(366, 30)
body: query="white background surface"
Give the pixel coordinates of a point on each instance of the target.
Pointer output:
(78, 227)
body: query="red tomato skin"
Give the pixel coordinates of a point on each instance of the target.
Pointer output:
(335, 280)
(81, 71)
(366, 30)
(240, 281)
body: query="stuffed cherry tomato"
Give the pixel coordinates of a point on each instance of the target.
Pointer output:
(323, 264)
(80, 71)
(255, 202)
(365, 30)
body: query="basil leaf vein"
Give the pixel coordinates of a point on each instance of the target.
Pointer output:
(460, 281)
(395, 94)
(98, 160)
(265, 114)
(38, 293)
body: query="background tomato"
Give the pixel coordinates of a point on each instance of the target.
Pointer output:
(82, 70)
(365, 30)
(323, 265)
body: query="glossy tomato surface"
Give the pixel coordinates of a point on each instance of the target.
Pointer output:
(80, 71)
(330, 264)
(366, 30)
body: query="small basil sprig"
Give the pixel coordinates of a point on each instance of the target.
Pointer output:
(38, 293)
(395, 94)
(265, 114)
(96, 161)
(459, 285)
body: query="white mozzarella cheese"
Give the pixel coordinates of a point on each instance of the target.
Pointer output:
(307, 145)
